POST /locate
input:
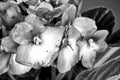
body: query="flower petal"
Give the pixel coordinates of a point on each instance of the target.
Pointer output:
(25, 56)
(64, 18)
(88, 59)
(67, 58)
(71, 11)
(4, 5)
(64, 1)
(36, 23)
(16, 68)
(32, 2)
(46, 52)
(4, 59)
(85, 25)
(100, 35)
(73, 33)
(21, 33)
(8, 44)
(45, 5)
(102, 46)
(87, 55)
(11, 12)
(20, 1)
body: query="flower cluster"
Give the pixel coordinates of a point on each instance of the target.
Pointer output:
(49, 33)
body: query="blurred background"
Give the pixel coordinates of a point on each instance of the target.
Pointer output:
(113, 5)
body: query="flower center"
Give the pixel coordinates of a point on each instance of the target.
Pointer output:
(92, 44)
(37, 40)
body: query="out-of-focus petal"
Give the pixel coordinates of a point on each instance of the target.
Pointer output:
(17, 68)
(43, 54)
(45, 5)
(100, 35)
(21, 33)
(64, 18)
(11, 12)
(64, 1)
(73, 33)
(20, 1)
(32, 2)
(4, 59)
(36, 23)
(87, 55)
(85, 25)
(71, 11)
(4, 5)
(67, 58)
(8, 44)
(102, 46)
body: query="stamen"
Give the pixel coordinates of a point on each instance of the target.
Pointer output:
(37, 40)
(93, 45)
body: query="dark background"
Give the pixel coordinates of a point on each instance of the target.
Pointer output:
(113, 5)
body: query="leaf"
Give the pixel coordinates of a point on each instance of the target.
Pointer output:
(103, 72)
(108, 54)
(104, 18)
(75, 70)
(114, 38)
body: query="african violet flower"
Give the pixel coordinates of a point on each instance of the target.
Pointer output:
(38, 43)
(82, 40)
(92, 41)
(8, 64)
(69, 53)
(7, 61)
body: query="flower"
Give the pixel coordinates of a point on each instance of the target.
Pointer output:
(17, 68)
(8, 64)
(83, 41)
(68, 55)
(92, 42)
(38, 43)
(12, 47)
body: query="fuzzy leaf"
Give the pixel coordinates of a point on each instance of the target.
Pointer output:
(104, 18)
(108, 70)
(114, 38)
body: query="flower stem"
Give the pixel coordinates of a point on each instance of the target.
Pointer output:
(60, 76)
(11, 76)
(53, 73)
